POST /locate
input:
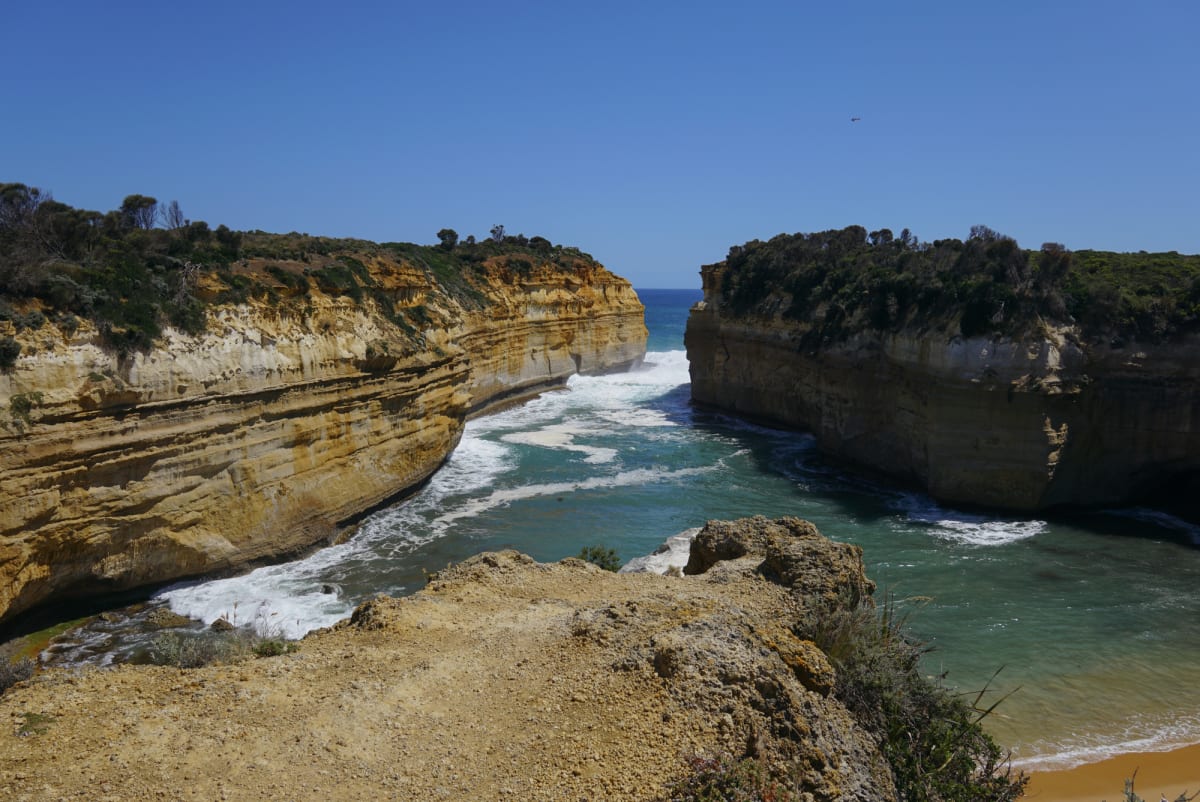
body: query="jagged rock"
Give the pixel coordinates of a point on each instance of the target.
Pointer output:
(222, 625)
(164, 618)
(790, 551)
(503, 678)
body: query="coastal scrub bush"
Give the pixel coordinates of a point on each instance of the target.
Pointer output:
(203, 649)
(599, 555)
(839, 283)
(10, 349)
(932, 737)
(12, 672)
(723, 779)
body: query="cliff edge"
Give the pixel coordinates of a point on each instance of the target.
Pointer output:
(310, 388)
(983, 400)
(502, 679)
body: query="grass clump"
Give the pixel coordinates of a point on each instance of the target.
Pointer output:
(12, 672)
(932, 737)
(33, 724)
(195, 650)
(601, 556)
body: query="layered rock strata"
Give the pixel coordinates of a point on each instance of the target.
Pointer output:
(276, 427)
(502, 679)
(1017, 424)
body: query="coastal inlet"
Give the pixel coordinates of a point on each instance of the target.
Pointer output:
(1092, 618)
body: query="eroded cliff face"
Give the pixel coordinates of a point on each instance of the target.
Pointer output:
(276, 427)
(1021, 425)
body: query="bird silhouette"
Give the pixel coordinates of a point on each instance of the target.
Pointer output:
(855, 119)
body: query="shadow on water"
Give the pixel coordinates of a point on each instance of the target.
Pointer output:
(870, 497)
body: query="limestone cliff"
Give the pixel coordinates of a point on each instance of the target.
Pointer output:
(1047, 419)
(502, 679)
(280, 422)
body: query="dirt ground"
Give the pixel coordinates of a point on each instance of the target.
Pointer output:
(478, 691)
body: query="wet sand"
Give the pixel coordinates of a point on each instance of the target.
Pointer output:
(1158, 773)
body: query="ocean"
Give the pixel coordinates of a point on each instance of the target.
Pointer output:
(1091, 621)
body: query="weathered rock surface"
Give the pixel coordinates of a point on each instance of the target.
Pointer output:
(276, 427)
(1020, 425)
(502, 679)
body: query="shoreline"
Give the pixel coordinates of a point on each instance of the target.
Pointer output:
(1158, 773)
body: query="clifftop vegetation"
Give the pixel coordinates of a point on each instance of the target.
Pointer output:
(142, 266)
(842, 282)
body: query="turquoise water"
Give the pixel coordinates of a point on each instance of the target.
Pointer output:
(1093, 620)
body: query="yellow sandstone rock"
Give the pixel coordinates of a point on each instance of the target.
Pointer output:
(274, 429)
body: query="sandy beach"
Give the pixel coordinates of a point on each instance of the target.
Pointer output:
(1158, 774)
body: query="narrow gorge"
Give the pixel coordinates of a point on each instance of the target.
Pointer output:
(315, 390)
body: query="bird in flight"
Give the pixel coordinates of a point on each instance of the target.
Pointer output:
(855, 119)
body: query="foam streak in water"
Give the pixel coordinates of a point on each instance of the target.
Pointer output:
(976, 530)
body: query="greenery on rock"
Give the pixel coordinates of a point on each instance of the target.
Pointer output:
(138, 268)
(841, 282)
(194, 650)
(601, 556)
(932, 737)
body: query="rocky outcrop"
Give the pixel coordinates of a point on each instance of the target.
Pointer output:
(276, 427)
(502, 679)
(1017, 424)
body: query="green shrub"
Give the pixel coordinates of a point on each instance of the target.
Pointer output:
(196, 649)
(10, 349)
(599, 555)
(932, 737)
(841, 282)
(273, 647)
(22, 404)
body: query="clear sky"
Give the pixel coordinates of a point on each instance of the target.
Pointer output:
(652, 135)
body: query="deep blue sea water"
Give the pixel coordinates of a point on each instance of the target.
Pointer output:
(1093, 620)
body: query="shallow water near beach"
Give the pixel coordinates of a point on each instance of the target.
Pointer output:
(1093, 621)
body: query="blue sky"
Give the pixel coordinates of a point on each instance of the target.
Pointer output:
(652, 135)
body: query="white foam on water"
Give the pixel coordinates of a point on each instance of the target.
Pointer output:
(562, 436)
(506, 496)
(662, 372)
(1138, 734)
(962, 527)
(673, 553)
(637, 417)
(288, 598)
(277, 600)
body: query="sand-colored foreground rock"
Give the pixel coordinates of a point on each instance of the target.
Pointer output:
(503, 679)
(275, 428)
(1019, 425)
